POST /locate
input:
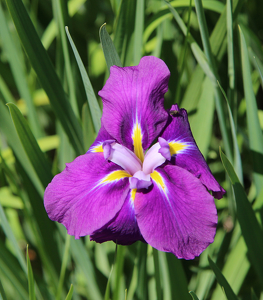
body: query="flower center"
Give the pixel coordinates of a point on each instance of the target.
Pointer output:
(141, 172)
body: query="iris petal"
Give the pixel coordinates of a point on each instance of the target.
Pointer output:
(133, 98)
(81, 197)
(189, 157)
(123, 228)
(177, 214)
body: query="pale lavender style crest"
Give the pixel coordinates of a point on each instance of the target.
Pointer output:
(126, 187)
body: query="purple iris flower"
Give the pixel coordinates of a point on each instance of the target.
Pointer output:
(144, 177)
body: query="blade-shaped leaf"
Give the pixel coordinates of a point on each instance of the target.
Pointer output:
(70, 293)
(31, 285)
(250, 227)
(46, 74)
(193, 295)
(93, 103)
(2, 291)
(109, 50)
(254, 130)
(33, 151)
(222, 281)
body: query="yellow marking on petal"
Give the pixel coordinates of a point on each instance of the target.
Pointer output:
(97, 148)
(175, 147)
(158, 179)
(133, 192)
(137, 142)
(116, 175)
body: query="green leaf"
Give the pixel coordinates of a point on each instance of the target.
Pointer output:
(107, 291)
(83, 262)
(157, 274)
(31, 286)
(198, 53)
(177, 277)
(254, 130)
(230, 45)
(11, 271)
(138, 32)
(235, 268)
(237, 157)
(118, 272)
(124, 31)
(222, 281)
(32, 149)
(109, 50)
(58, 12)
(92, 100)
(250, 227)
(10, 235)
(18, 71)
(63, 267)
(70, 293)
(2, 291)
(47, 76)
(193, 295)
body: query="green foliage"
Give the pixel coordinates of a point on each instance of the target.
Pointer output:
(214, 51)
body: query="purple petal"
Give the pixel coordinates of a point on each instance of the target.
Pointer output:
(153, 159)
(103, 136)
(86, 195)
(124, 158)
(123, 229)
(165, 148)
(177, 214)
(190, 158)
(133, 98)
(107, 149)
(140, 181)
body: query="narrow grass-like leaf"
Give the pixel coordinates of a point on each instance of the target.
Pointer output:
(142, 275)
(198, 53)
(157, 274)
(124, 31)
(254, 130)
(18, 71)
(10, 235)
(138, 32)
(12, 272)
(111, 56)
(201, 123)
(2, 291)
(165, 14)
(237, 157)
(178, 280)
(31, 284)
(235, 268)
(46, 74)
(70, 293)
(250, 227)
(260, 68)
(107, 291)
(63, 267)
(208, 52)
(34, 153)
(83, 261)
(230, 46)
(69, 73)
(92, 100)
(193, 295)
(222, 281)
(120, 253)
(253, 295)
(88, 128)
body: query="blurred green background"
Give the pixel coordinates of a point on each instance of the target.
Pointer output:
(214, 51)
